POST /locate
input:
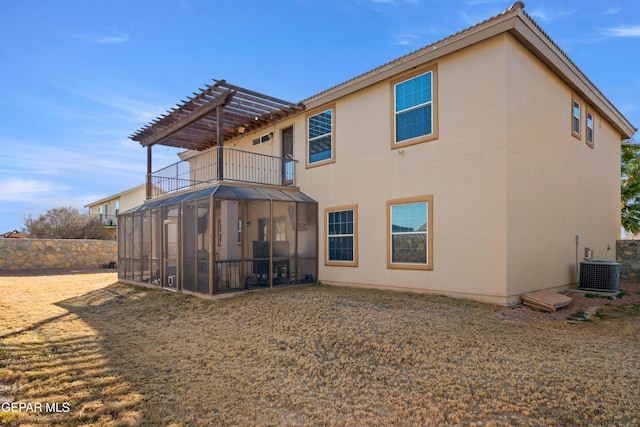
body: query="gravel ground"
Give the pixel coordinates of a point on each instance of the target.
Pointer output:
(590, 304)
(123, 355)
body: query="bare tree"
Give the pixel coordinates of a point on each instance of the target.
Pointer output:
(64, 223)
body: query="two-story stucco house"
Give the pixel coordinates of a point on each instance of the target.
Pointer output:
(468, 168)
(108, 208)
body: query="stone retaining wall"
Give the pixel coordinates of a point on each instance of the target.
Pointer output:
(25, 254)
(628, 254)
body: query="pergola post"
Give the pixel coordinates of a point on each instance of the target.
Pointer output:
(220, 141)
(149, 180)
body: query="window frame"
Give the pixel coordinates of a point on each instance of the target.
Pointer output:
(336, 263)
(433, 69)
(590, 140)
(313, 113)
(576, 133)
(428, 199)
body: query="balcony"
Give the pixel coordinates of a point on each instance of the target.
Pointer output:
(106, 220)
(222, 164)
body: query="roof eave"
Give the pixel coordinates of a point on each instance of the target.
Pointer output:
(499, 24)
(515, 22)
(115, 196)
(527, 32)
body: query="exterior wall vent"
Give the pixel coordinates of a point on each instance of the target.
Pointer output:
(603, 276)
(261, 139)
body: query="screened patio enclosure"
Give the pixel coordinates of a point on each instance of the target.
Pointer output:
(220, 238)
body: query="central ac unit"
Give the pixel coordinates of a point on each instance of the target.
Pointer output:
(603, 276)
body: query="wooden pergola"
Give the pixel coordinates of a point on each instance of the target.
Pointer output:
(218, 113)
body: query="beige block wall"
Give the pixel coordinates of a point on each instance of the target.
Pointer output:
(558, 186)
(21, 254)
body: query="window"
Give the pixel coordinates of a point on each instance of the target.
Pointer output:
(288, 164)
(575, 116)
(410, 237)
(320, 137)
(342, 236)
(414, 108)
(279, 229)
(589, 128)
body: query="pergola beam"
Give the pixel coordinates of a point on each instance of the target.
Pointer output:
(184, 121)
(194, 124)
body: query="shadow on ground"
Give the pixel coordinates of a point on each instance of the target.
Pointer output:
(57, 371)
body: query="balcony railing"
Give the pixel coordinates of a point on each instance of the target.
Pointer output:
(106, 220)
(236, 166)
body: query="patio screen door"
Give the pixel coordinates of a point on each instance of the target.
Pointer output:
(170, 255)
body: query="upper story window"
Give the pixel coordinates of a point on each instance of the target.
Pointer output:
(414, 108)
(590, 137)
(576, 115)
(320, 140)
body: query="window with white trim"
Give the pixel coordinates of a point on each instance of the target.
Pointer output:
(320, 137)
(414, 108)
(589, 133)
(576, 115)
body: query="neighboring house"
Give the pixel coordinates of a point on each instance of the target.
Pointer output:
(107, 209)
(468, 168)
(15, 234)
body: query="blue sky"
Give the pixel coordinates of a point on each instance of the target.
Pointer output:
(78, 77)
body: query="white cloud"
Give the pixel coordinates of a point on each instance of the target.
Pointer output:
(612, 11)
(549, 14)
(482, 2)
(24, 190)
(404, 39)
(132, 109)
(472, 19)
(52, 158)
(394, 2)
(114, 37)
(632, 31)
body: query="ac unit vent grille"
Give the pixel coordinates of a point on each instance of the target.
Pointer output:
(601, 276)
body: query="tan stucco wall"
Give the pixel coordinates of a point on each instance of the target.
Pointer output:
(558, 187)
(464, 170)
(511, 186)
(131, 199)
(127, 200)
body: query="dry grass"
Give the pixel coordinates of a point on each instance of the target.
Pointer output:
(121, 355)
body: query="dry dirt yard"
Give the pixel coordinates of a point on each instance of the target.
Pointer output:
(81, 350)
